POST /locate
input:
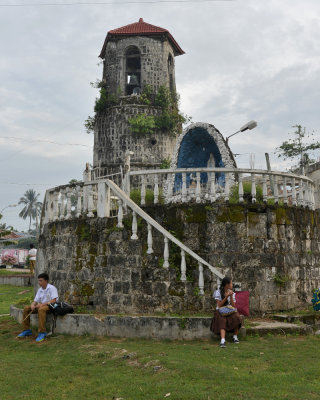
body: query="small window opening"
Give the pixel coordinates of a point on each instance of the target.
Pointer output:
(133, 71)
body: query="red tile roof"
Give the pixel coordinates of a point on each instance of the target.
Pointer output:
(141, 28)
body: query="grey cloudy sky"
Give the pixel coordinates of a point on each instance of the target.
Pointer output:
(245, 59)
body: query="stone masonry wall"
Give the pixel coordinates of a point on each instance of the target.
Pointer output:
(274, 252)
(154, 53)
(113, 137)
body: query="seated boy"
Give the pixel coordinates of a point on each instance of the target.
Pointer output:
(46, 294)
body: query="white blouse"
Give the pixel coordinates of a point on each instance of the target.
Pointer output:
(217, 296)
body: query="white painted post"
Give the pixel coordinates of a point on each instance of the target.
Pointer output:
(184, 188)
(134, 226)
(156, 189)
(150, 249)
(79, 203)
(120, 214)
(143, 190)
(183, 266)
(264, 188)
(69, 194)
(201, 280)
(276, 191)
(90, 202)
(240, 188)
(198, 188)
(253, 188)
(285, 192)
(293, 191)
(169, 188)
(102, 200)
(226, 188)
(56, 206)
(212, 186)
(166, 253)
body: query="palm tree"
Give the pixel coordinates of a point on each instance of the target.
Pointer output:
(32, 208)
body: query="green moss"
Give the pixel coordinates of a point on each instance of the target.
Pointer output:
(83, 232)
(281, 216)
(178, 293)
(86, 290)
(53, 230)
(196, 214)
(231, 213)
(91, 262)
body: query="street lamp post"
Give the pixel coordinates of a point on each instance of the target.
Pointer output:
(249, 125)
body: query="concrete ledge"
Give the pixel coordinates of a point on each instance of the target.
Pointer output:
(281, 328)
(17, 280)
(174, 328)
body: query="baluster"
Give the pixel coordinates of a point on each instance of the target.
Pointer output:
(184, 187)
(90, 202)
(198, 188)
(253, 188)
(169, 188)
(69, 194)
(307, 196)
(293, 191)
(143, 190)
(276, 191)
(212, 186)
(201, 280)
(120, 214)
(226, 188)
(183, 266)
(150, 249)
(61, 214)
(264, 189)
(166, 253)
(312, 197)
(240, 188)
(79, 193)
(156, 189)
(56, 206)
(134, 226)
(285, 192)
(301, 200)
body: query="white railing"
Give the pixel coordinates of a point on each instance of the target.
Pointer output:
(102, 199)
(210, 184)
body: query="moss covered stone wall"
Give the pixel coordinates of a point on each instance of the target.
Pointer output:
(271, 251)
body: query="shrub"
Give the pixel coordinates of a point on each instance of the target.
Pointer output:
(247, 197)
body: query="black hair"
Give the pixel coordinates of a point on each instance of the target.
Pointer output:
(44, 276)
(224, 282)
(31, 246)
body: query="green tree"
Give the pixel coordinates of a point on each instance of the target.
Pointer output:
(297, 148)
(32, 208)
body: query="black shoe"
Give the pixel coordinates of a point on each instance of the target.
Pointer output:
(223, 345)
(235, 341)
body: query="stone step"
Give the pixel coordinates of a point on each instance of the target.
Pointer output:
(309, 319)
(282, 328)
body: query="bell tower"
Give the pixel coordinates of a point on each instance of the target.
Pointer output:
(136, 58)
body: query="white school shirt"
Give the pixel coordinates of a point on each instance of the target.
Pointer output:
(47, 294)
(32, 253)
(217, 296)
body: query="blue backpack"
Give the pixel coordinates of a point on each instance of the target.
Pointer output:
(316, 300)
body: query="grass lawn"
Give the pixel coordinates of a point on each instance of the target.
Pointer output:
(88, 367)
(4, 272)
(10, 295)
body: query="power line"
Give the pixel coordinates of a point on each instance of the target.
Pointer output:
(44, 141)
(112, 3)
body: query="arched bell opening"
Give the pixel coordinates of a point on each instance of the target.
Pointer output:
(133, 71)
(198, 149)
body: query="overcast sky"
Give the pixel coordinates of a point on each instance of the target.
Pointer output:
(245, 59)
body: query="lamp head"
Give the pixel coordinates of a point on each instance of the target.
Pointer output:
(249, 125)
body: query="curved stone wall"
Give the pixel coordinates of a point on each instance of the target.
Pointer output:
(272, 251)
